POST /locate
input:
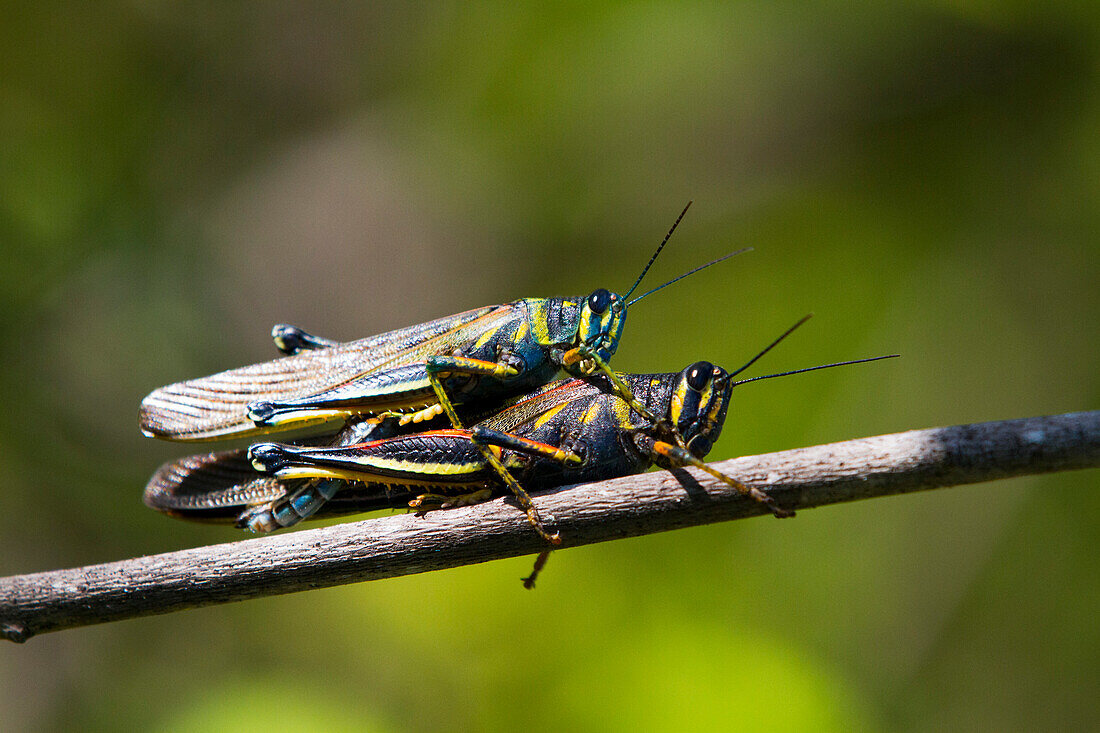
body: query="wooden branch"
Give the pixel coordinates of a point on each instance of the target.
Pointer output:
(635, 505)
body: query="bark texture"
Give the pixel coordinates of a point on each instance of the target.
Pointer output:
(635, 505)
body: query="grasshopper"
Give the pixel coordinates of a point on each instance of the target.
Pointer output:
(570, 431)
(410, 375)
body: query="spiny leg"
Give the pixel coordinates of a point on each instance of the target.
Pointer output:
(521, 496)
(535, 448)
(445, 501)
(403, 386)
(439, 366)
(486, 440)
(681, 456)
(488, 436)
(540, 563)
(460, 466)
(304, 501)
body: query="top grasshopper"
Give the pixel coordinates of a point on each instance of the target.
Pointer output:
(411, 374)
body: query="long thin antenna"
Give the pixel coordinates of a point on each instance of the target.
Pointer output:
(811, 369)
(659, 248)
(689, 272)
(773, 344)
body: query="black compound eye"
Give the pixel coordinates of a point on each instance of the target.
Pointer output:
(698, 374)
(599, 301)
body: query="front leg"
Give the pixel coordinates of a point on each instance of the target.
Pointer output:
(667, 453)
(492, 458)
(590, 362)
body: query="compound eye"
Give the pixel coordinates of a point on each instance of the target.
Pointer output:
(599, 301)
(698, 374)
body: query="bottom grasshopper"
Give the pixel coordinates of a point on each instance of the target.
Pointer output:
(571, 431)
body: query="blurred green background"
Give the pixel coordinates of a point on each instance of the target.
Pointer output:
(925, 177)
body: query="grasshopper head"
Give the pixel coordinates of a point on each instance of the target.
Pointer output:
(698, 405)
(601, 324)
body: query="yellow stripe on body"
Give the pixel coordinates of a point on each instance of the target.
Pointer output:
(522, 330)
(715, 408)
(676, 402)
(548, 415)
(585, 322)
(539, 310)
(430, 471)
(427, 482)
(705, 395)
(622, 411)
(592, 414)
(440, 469)
(486, 337)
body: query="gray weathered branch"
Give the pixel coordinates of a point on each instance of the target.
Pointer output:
(404, 544)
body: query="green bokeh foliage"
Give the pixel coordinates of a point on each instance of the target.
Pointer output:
(923, 176)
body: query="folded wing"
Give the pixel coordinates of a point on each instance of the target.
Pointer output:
(215, 407)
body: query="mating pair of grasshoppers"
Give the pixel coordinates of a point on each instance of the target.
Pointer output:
(440, 414)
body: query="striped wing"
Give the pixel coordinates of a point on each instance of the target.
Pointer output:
(217, 487)
(211, 485)
(214, 407)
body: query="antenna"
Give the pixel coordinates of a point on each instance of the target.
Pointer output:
(689, 272)
(773, 344)
(659, 248)
(815, 368)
